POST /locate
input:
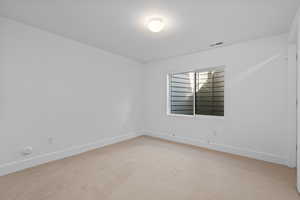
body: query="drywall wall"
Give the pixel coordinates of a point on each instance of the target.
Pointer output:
(61, 97)
(292, 102)
(293, 50)
(256, 101)
(298, 108)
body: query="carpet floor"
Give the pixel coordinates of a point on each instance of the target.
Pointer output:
(145, 168)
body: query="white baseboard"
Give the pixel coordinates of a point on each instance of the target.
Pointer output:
(223, 148)
(41, 159)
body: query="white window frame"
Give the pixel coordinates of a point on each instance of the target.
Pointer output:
(168, 111)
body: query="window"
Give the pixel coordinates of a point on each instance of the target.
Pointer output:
(182, 93)
(197, 93)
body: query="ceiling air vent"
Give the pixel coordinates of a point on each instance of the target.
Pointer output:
(216, 44)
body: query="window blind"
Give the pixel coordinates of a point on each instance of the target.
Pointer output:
(209, 93)
(182, 93)
(199, 93)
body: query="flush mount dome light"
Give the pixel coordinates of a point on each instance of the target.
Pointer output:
(155, 25)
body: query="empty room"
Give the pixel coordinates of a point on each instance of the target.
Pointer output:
(149, 100)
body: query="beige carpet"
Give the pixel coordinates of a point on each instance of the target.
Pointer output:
(145, 168)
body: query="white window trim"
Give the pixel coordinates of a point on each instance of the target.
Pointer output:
(195, 116)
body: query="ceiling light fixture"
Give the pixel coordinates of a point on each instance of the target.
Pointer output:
(155, 25)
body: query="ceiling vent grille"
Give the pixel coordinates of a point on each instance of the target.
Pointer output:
(216, 44)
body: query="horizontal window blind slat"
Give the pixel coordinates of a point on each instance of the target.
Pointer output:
(201, 78)
(207, 92)
(181, 87)
(174, 82)
(181, 92)
(209, 82)
(210, 87)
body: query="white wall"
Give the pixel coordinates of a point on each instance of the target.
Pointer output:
(298, 88)
(256, 101)
(79, 96)
(55, 88)
(292, 102)
(294, 48)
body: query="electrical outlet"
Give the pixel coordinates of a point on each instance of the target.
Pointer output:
(214, 133)
(50, 140)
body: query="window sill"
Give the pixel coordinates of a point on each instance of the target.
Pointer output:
(180, 115)
(196, 116)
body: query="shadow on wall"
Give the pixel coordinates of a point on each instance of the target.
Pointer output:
(255, 68)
